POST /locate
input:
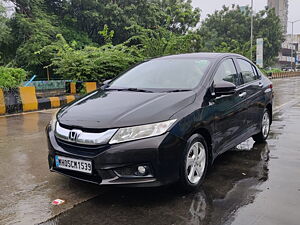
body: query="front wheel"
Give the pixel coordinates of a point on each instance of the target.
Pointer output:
(194, 163)
(265, 128)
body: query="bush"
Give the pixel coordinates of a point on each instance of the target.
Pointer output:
(11, 77)
(95, 64)
(268, 72)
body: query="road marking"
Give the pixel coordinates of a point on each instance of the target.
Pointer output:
(286, 105)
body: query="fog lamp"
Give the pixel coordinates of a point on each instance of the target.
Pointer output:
(134, 171)
(142, 170)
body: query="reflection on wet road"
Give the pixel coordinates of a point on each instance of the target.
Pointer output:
(228, 187)
(252, 184)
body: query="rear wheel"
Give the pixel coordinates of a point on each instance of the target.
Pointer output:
(194, 164)
(265, 128)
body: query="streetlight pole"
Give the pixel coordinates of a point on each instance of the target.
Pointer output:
(251, 38)
(292, 42)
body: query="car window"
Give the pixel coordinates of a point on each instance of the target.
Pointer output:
(257, 72)
(178, 73)
(248, 72)
(254, 71)
(226, 72)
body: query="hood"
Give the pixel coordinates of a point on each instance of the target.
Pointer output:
(114, 109)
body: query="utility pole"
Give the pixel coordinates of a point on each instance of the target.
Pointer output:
(292, 41)
(251, 38)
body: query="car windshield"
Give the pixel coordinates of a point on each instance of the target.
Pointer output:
(169, 74)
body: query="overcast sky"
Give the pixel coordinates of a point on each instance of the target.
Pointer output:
(209, 6)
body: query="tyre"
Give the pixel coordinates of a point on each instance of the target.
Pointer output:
(194, 163)
(265, 128)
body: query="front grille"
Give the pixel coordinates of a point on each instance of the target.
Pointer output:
(89, 130)
(88, 150)
(82, 139)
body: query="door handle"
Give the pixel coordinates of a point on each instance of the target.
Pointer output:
(260, 84)
(243, 94)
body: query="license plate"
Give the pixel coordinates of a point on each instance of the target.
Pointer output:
(73, 164)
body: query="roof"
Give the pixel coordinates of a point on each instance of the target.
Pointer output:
(199, 55)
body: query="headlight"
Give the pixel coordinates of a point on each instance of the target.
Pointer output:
(53, 122)
(139, 132)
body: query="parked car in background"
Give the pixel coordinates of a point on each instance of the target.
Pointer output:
(163, 121)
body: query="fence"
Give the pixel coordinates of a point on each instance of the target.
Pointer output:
(48, 85)
(284, 74)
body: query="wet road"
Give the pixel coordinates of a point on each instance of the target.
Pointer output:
(252, 184)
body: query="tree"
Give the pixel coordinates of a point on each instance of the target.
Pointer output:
(4, 34)
(180, 16)
(160, 42)
(229, 30)
(90, 16)
(31, 29)
(268, 26)
(150, 28)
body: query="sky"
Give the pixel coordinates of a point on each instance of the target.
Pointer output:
(209, 6)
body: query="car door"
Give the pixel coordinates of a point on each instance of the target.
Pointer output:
(254, 89)
(229, 110)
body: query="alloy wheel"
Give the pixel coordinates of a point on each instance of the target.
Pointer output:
(266, 124)
(195, 162)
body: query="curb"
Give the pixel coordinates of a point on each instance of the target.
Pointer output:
(23, 99)
(76, 87)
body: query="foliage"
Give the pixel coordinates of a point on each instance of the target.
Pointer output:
(268, 26)
(3, 26)
(180, 15)
(11, 77)
(90, 63)
(32, 29)
(235, 47)
(270, 71)
(85, 22)
(159, 42)
(95, 40)
(95, 64)
(90, 16)
(107, 35)
(5, 30)
(229, 30)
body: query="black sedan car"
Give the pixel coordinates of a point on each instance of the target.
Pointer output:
(163, 121)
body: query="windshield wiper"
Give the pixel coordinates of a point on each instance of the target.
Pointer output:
(178, 90)
(138, 90)
(129, 89)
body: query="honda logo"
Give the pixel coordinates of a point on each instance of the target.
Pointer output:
(74, 135)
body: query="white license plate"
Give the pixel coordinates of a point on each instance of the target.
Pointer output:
(73, 164)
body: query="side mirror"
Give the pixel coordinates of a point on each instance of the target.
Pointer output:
(106, 82)
(224, 88)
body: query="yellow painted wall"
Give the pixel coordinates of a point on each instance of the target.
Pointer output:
(2, 102)
(90, 86)
(55, 102)
(73, 88)
(70, 98)
(28, 98)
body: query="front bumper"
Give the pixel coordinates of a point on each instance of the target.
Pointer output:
(161, 154)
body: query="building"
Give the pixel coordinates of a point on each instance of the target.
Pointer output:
(289, 54)
(281, 10)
